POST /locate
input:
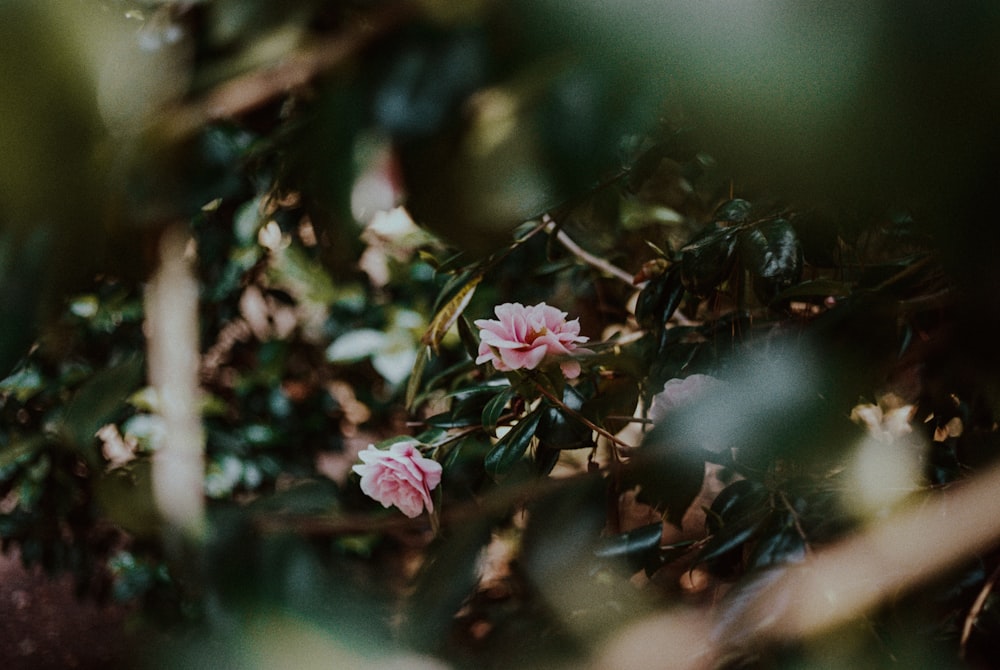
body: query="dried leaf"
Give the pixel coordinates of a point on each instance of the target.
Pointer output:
(449, 313)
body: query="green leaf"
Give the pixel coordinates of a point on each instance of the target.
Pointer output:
(99, 399)
(18, 452)
(511, 447)
(23, 384)
(495, 407)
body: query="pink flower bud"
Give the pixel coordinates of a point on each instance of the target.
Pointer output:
(523, 336)
(399, 476)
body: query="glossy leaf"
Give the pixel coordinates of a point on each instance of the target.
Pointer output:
(738, 500)
(722, 554)
(816, 289)
(772, 253)
(659, 299)
(494, 408)
(707, 261)
(733, 212)
(635, 547)
(559, 429)
(511, 447)
(779, 543)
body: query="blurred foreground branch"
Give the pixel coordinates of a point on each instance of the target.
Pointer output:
(250, 91)
(172, 313)
(838, 584)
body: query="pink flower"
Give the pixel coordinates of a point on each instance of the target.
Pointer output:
(523, 336)
(681, 392)
(399, 476)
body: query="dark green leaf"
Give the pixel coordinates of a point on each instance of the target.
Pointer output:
(511, 447)
(742, 498)
(635, 546)
(816, 289)
(736, 211)
(723, 551)
(495, 407)
(559, 429)
(779, 542)
(772, 253)
(659, 299)
(545, 459)
(707, 260)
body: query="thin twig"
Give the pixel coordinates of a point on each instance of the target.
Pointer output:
(584, 420)
(585, 255)
(975, 610)
(796, 521)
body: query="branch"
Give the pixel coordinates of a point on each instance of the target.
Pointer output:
(585, 255)
(247, 92)
(582, 419)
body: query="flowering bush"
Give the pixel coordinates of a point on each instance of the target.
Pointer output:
(399, 476)
(558, 174)
(522, 337)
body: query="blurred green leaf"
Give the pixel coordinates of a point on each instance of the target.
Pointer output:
(19, 452)
(444, 582)
(98, 400)
(23, 384)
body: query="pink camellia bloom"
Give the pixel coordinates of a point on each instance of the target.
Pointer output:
(399, 476)
(681, 392)
(522, 337)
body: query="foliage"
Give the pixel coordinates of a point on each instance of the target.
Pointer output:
(852, 345)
